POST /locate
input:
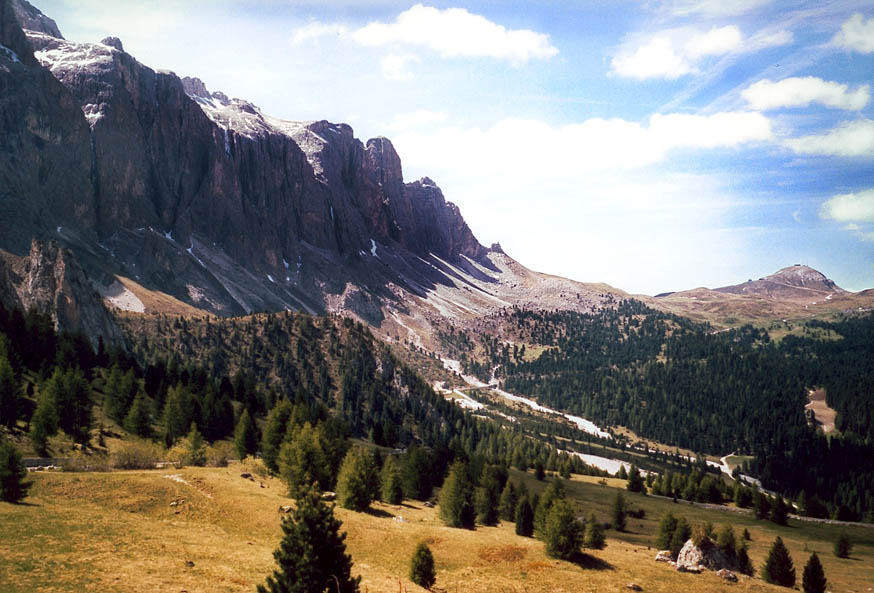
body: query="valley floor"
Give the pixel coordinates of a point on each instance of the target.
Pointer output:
(117, 532)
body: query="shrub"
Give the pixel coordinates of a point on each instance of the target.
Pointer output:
(136, 455)
(422, 567)
(843, 546)
(218, 454)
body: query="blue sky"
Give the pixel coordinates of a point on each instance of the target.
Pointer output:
(651, 145)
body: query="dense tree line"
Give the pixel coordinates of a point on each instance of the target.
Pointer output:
(683, 384)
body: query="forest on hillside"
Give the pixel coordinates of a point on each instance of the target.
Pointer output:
(684, 384)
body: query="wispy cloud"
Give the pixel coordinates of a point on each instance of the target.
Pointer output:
(315, 30)
(856, 34)
(397, 67)
(673, 53)
(801, 92)
(714, 8)
(417, 119)
(850, 139)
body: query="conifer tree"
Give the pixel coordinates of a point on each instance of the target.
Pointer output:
(594, 538)
(174, 422)
(682, 533)
(416, 474)
(422, 570)
(727, 543)
(524, 517)
(507, 503)
(391, 487)
(312, 554)
(744, 564)
(813, 579)
(779, 511)
(666, 531)
(357, 482)
(456, 497)
(563, 533)
(138, 420)
(553, 492)
(274, 431)
(302, 462)
(245, 435)
(622, 474)
(761, 506)
(196, 447)
(9, 394)
(13, 486)
(72, 395)
(539, 472)
(618, 512)
(635, 480)
(778, 568)
(113, 403)
(44, 422)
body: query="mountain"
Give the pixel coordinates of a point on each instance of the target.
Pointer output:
(794, 292)
(154, 181)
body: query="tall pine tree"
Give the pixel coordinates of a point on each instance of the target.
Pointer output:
(245, 435)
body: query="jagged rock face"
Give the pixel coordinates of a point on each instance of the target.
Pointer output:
(207, 198)
(49, 279)
(45, 156)
(32, 19)
(210, 200)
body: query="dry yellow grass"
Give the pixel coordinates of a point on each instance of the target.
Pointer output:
(117, 532)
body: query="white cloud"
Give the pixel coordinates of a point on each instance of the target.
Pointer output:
(856, 34)
(850, 208)
(850, 139)
(397, 67)
(796, 216)
(717, 41)
(801, 92)
(655, 59)
(417, 119)
(673, 53)
(315, 30)
(515, 148)
(456, 32)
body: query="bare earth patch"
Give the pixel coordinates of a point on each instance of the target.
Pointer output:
(823, 414)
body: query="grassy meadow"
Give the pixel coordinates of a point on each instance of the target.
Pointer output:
(117, 532)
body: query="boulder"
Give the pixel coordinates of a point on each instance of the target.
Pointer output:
(634, 587)
(727, 575)
(285, 509)
(329, 495)
(664, 556)
(706, 556)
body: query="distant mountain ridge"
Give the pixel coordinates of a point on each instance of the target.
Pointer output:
(796, 291)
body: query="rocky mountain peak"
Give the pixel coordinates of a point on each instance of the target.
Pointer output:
(31, 18)
(803, 276)
(194, 87)
(113, 42)
(382, 157)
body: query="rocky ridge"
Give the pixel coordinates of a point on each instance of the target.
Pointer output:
(148, 176)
